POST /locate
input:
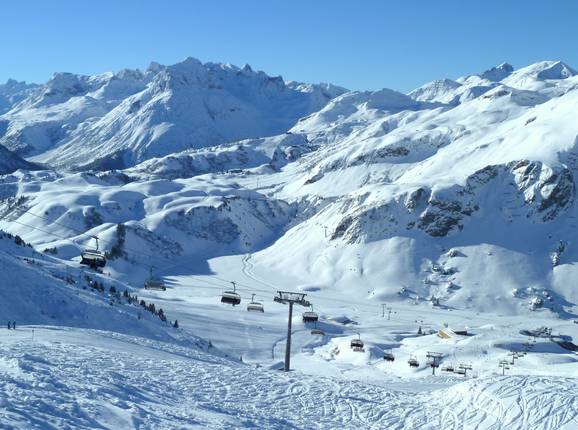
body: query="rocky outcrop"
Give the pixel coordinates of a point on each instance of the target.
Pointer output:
(542, 193)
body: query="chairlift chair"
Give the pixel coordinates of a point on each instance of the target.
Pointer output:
(388, 356)
(448, 368)
(153, 283)
(317, 331)
(255, 306)
(93, 258)
(357, 344)
(231, 297)
(310, 316)
(413, 361)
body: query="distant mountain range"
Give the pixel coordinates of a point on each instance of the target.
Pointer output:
(115, 120)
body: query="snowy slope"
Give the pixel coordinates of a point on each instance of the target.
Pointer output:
(9, 162)
(158, 386)
(39, 289)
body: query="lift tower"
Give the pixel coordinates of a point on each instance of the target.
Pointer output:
(289, 298)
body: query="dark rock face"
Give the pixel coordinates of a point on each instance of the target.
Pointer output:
(414, 199)
(441, 217)
(548, 191)
(541, 193)
(10, 162)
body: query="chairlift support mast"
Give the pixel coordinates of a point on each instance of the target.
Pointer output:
(285, 297)
(465, 368)
(434, 359)
(504, 366)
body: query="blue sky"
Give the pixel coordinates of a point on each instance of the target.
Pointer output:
(360, 44)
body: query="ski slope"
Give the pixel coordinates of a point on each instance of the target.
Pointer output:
(131, 383)
(92, 365)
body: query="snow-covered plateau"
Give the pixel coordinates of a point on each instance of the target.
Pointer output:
(436, 227)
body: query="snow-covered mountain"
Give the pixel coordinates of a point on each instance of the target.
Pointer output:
(479, 161)
(116, 120)
(12, 92)
(454, 205)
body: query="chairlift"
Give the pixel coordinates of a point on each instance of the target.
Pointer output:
(93, 258)
(231, 297)
(317, 331)
(413, 361)
(357, 344)
(448, 368)
(388, 356)
(153, 283)
(255, 306)
(310, 316)
(459, 371)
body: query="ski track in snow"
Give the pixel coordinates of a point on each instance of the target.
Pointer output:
(47, 384)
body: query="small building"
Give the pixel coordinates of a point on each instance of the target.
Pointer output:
(449, 333)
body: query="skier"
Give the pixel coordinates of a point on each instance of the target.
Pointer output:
(8, 325)
(13, 325)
